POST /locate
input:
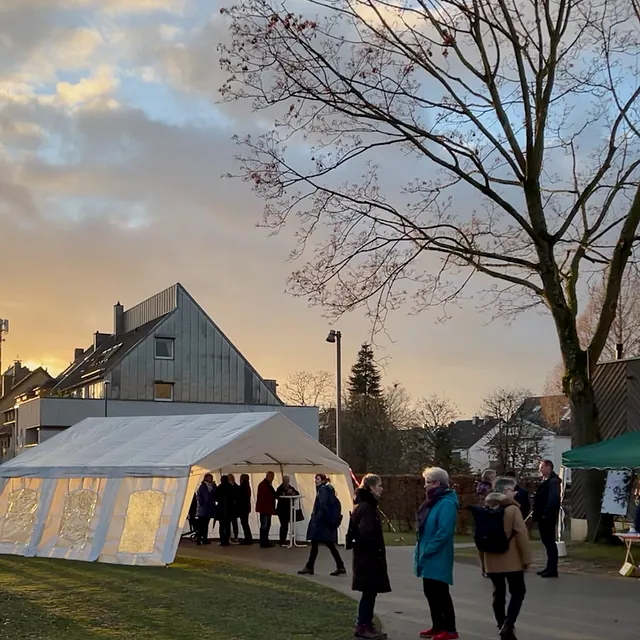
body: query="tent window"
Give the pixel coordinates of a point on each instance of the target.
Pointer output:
(164, 349)
(21, 513)
(142, 522)
(79, 507)
(163, 391)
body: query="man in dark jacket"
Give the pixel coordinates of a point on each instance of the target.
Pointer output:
(546, 511)
(266, 507)
(521, 496)
(284, 507)
(244, 508)
(235, 505)
(205, 508)
(224, 507)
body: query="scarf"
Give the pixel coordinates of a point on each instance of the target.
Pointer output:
(433, 495)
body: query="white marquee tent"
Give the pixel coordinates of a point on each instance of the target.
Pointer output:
(118, 490)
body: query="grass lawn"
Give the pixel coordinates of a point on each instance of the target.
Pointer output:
(192, 599)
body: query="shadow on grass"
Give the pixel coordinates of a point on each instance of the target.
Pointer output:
(191, 599)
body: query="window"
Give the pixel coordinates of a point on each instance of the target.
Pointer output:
(163, 391)
(141, 522)
(164, 348)
(95, 391)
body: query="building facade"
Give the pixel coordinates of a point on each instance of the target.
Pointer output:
(164, 356)
(165, 349)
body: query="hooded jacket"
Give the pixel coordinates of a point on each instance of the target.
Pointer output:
(433, 557)
(519, 554)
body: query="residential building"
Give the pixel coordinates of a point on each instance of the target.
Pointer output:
(541, 425)
(469, 439)
(16, 383)
(165, 349)
(164, 356)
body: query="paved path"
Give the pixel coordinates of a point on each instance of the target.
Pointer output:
(571, 608)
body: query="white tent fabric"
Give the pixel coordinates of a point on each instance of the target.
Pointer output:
(118, 490)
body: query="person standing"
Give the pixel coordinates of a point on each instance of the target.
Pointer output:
(323, 526)
(284, 507)
(205, 508)
(433, 559)
(521, 496)
(546, 511)
(266, 507)
(508, 555)
(234, 504)
(365, 537)
(244, 508)
(224, 505)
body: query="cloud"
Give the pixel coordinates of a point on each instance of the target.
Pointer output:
(87, 90)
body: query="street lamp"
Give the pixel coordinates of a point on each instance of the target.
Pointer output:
(106, 396)
(336, 337)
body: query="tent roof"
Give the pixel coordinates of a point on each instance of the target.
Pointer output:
(169, 446)
(622, 452)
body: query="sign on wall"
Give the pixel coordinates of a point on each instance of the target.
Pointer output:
(615, 499)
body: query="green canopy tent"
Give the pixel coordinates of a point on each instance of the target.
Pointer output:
(622, 452)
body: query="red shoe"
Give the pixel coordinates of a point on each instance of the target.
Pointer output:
(447, 635)
(430, 633)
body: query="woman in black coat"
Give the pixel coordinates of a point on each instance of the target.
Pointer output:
(365, 537)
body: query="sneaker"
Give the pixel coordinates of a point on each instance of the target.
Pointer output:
(447, 635)
(363, 631)
(430, 633)
(341, 571)
(305, 572)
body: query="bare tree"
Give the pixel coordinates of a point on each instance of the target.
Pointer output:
(398, 405)
(308, 388)
(524, 109)
(436, 412)
(625, 329)
(517, 443)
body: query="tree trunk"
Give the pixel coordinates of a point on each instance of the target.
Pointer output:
(586, 431)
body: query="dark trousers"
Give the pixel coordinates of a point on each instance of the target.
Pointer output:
(548, 538)
(202, 529)
(225, 531)
(443, 616)
(246, 529)
(366, 607)
(265, 528)
(234, 527)
(313, 556)
(517, 591)
(284, 528)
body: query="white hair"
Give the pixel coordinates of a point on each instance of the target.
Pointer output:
(436, 474)
(504, 484)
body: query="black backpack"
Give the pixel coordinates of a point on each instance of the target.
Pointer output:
(489, 530)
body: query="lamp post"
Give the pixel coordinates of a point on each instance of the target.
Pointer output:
(106, 397)
(336, 337)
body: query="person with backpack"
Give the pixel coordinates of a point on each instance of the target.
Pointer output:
(503, 541)
(433, 559)
(325, 521)
(365, 537)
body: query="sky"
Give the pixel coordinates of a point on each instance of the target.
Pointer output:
(112, 150)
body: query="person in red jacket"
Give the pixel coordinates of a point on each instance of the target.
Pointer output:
(266, 507)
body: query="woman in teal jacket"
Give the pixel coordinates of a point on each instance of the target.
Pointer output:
(436, 528)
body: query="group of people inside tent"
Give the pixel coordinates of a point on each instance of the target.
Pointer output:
(228, 503)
